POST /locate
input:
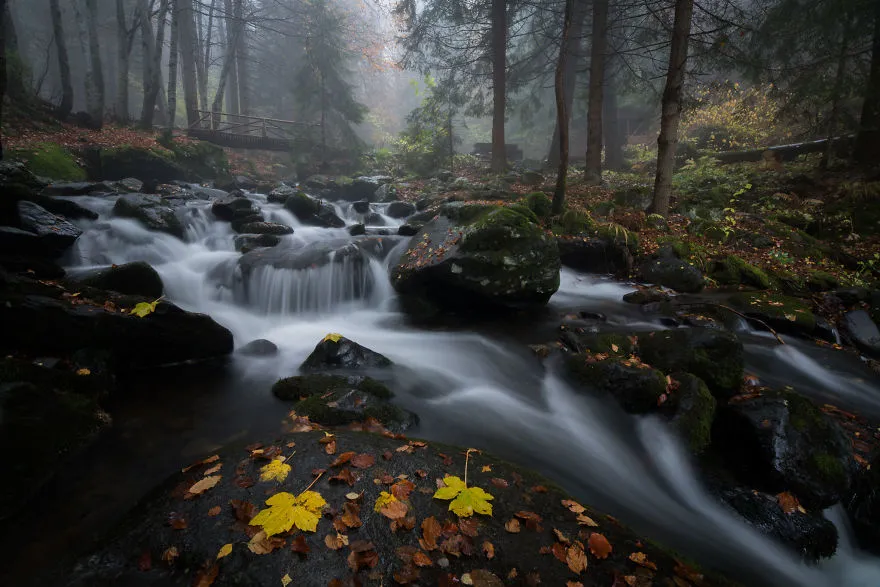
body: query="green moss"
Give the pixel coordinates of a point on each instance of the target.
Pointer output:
(778, 309)
(52, 161)
(821, 281)
(620, 235)
(733, 270)
(804, 414)
(577, 222)
(539, 203)
(657, 222)
(525, 211)
(466, 213)
(682, 249)
(695, 412)
(496, 230)
(375, 388)
(829, 468)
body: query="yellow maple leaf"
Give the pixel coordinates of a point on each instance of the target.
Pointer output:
(332, 337)
(225, 550)
(286, 580)
(277, 470)
(286, 511)
(144, 309)
(466, 501)
(384, 499)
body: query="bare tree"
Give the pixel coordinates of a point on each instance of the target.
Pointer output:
(187, 49)
(66, 105)
(124, 42)
(94, 77)
(152, 67)
(868, 138)
(671, 106)
(233, 30)
(574, 48)
(562, 114)
(172, 64)
(593, 169)
(499, 81)
(241, 58)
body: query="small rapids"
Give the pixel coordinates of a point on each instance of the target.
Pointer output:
(469, 388)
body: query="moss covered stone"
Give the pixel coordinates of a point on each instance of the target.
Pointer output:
(496, 229)
(788, 314)
(143, 163)
(821, 281)
(733, 270)
(694, 411)
(539, 203)
(637, 388)
(574, 222)
(524, 211)
(51, 161)
(620, 235)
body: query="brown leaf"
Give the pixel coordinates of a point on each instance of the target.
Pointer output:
(351, 515)
(484, 578)
(539, 489)
(599, 545)
(298, 545)
(489, 550)
(585, 520)
(214, 511)
(561, 537)
(205, 577)
(210, 459)
(512, 526)
(407, 523)
(788, 502)
(430, 532)
(533, 520)
(394, 510)
(330, 447)
(486, 469)
(213, 469)
(573, 506)
(469, 527)
(343, 458)
(344, 476)
(177, 521)
(421, 473)
(576, 558)
(447, 460)
(244, 510)
(363, 461)
(202, 486)
(335, 542)
(406, 574)
(361, 557)
(499, 483)
(170, 555)
(402, 489)
(421, 559)
(559, 551)
(244, 481)
(573, 584)
(640, 558)
(145, 561)
(260, 543)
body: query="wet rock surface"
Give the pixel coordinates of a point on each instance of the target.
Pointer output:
(152, 211)
(338, 352)
(137, 278)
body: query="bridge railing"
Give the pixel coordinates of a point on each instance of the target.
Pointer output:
(243, 130)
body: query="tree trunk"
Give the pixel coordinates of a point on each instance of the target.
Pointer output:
(95, 51)
(208, 39)
(152, 62)
(573, 55)
(232, 32)
(562, 113)
(499, 81)
(187, 51)
(593, 169)
(92, 63)
(3, 6)
(610, 125)
(228, 66)
(201, 68)
(868, 139)
(15, 83)
(671, 106)
(66, 105)
(122, 64)
(836, 93)
(241, 58)
(172, 64)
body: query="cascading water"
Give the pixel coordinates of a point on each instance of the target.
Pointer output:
(468, 388)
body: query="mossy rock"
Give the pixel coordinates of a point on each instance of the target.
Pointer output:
(784, 313)
(694, 411)
(142, 163)
(637, 388)
(494, 230)
(657, 222)
(620, 235)
(614, 344)
(680, 248)
(539, 203)
(525, 211)
(200, 158)
(51, 161)
(821, 281)
(733, 270)
(575, 222)
(464, 212)
(713, 355)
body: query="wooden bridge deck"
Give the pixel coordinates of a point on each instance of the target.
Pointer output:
(247, 132)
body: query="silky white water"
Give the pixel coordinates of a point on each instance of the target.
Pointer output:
(468, 388)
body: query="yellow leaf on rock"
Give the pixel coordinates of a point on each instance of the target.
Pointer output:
(286, 580)
(83, 371)
(383, 500)
(144, 309)
(466, 501)
(225, 550)
(286, 511)
(276, 470)
(332, 337)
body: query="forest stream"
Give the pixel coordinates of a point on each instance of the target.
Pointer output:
(477, 386)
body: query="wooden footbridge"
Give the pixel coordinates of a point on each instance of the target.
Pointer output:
(247, 132)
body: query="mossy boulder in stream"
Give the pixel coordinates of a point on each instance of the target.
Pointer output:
(152, 165)
(694, 411)
(782, 313)
(353, 544)
(863, 505)
(667, 269)
(476, 255)
(334, 400)
(733, 270)
(780, 441)
(713, 355)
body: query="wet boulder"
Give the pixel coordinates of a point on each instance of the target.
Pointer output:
(357, 230)
(272, 228)
(333, 400)
(259, 348)
(595, 255)
(810, 535)
(337, 352)
(668, 270)
(862, 331)
(142, 163)
(361, 207)
(713, 355)
(780, 441)
(479, 256)
(16, 183)
(647, 295)
(386, 193)
(151, 211)
(248, 242)
(80, 188)
(863, 506)
(410, 229)
(782, 313)
(311, 256)
(359, 188)
(636, 387)
(53, 412)
(232, 207)
(136, 278)
(693, 408)
(66, 208)
(280, 194)
(55, 234)
(313, 212)
(400, 209)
